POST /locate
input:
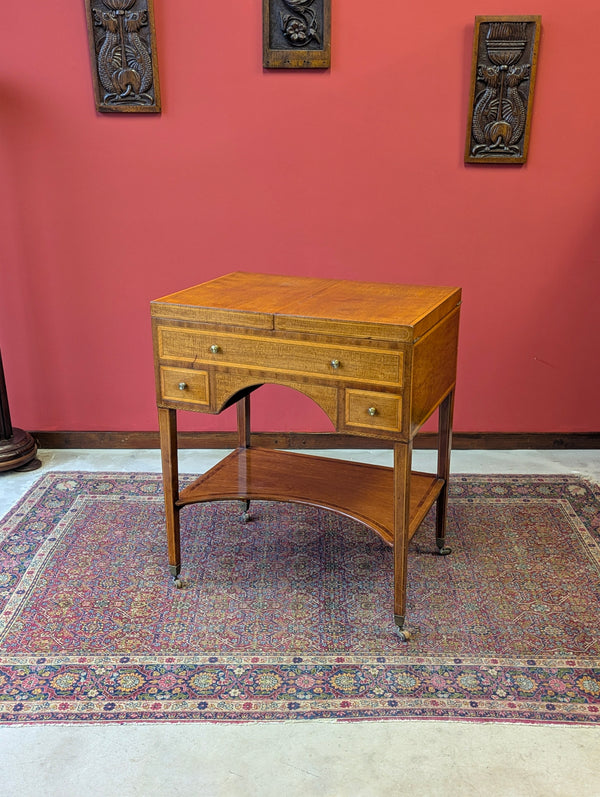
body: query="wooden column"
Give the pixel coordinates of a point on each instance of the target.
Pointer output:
(167, 419)
(18, 449)
(402, 471)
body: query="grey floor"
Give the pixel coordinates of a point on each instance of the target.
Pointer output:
(303, 758)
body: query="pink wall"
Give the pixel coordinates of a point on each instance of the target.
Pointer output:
(356, 172)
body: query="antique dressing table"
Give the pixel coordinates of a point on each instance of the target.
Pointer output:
(378, 358)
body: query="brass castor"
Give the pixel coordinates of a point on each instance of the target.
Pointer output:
(178, 582)
(402, 632)
(246, 516)
(443, 549)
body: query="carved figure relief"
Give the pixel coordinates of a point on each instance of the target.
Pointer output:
(123, 52)
(502, 83)
(296, 33)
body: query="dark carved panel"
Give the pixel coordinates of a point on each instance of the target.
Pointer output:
(502, 82)
(296, 34)
(123, 53)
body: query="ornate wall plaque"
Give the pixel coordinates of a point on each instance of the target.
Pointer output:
(297, 34)
(123, 53)
(505, 53)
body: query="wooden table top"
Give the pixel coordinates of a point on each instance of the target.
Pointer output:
(291, 300)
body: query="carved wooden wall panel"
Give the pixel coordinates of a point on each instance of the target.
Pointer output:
(123, 53)
(297, 34)
(505, 53)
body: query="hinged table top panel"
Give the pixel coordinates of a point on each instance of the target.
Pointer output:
(306, 304)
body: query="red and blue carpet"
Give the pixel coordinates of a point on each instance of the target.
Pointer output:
(290, 616)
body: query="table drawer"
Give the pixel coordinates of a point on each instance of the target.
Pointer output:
(184, 384)
(369, 410)
(283, 356)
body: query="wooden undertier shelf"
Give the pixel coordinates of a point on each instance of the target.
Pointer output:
(363, 492)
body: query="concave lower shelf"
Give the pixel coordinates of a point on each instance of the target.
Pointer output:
(357, 490)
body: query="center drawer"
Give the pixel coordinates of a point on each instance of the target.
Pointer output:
(283, 356)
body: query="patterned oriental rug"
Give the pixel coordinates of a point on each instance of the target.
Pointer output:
(290, 616)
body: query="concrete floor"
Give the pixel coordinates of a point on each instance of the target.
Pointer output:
(417, 758)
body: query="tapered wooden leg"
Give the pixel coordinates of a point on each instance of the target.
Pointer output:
(443, 470)
(402, 466)
(243, 422)
(243, 425)
(167, 419)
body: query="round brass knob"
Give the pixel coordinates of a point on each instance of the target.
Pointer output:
(372, 410)
(214, 349)
(182, 385)
(335, 363)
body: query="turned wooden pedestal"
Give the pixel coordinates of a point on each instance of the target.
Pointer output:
(18, 449)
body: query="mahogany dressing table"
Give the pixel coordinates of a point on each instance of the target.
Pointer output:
(378, 358)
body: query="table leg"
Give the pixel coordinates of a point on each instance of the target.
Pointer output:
(243, 425)
(443, 470)
(402, 468)
(167, 420)
(243, 421)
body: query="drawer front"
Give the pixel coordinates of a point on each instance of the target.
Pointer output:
(283, 356)
(369, 410)
(183, 384)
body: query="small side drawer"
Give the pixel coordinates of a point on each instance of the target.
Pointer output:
(370, 410)
(184, 384)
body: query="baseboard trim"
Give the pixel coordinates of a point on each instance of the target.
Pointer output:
(468, 441)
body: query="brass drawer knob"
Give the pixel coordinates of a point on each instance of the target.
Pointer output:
(214, 349)
(335, 363)
(182, 385)
(372, 410)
